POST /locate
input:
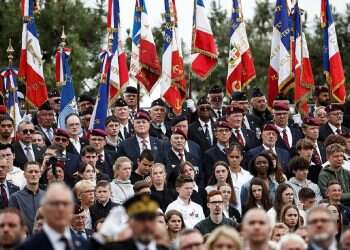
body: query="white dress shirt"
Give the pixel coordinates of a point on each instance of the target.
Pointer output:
(289, 134)
(148, 143)
(16, 177)
(76, 144)
(238, 180)
(151, 246)
(267, 148)
(55, 237)
(121, 130)
(192, 212)
(209, 128)
(334, 128)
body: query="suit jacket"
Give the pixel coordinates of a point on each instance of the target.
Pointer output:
(156, 131)
(193, 148)
(12, 188)
(282, 154)
(296, 135)
(40, 241)
(252, 123)
(210, 157)
(325, 131)
(20, 156)
(249, 136)
(123, 245)
(172, 169)
(47, 140)
(130, 129)
(71, 166)
(196, 134)
(71, 149)
(106, 166)
(131, 149)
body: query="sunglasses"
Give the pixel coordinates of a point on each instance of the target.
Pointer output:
(204, 108)
(28, 131)
(61, 139)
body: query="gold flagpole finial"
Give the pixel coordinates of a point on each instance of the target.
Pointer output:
(10, 52)
(63, 38)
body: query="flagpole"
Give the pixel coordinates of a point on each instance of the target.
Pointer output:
(10, 52)
(193, 28)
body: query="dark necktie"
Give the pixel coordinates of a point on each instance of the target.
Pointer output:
(5, 200)
(285, 137)
(126, 133)
(65, 241)
(338, 131)
(28, 153)
(315, 158)
(239, 137)
(181, 156)
(206, 133)
(144, 144)
(219, 113)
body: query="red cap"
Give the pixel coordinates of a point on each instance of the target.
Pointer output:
(311, 121)
(179, 131)
(280, 106)
(98, 132)
(142, 114)
(222, 124)
(234, 110)
(270, 127)
(61, 132)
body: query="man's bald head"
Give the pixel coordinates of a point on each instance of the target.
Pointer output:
(256, 227)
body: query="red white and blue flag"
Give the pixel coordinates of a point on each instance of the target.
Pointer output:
(64, 78)
(280, 71)
(332, 62)
(205, 57)
(119, 75)
(172, 82)
(31, 63)
(241, 68)
(9, 76)
(304, 80)
(145, 65)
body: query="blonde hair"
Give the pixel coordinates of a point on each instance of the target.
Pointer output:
(119, 162)
(227, 232)
(83, 185)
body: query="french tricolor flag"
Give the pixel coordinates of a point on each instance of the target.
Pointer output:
(332, 62)
(31, 64)
(145, 65)
(203, 43)
(304, 80)
(241, 68)
(280, 71)
(119, 75)
(172, 82)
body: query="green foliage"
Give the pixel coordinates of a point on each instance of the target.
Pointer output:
(85, 30)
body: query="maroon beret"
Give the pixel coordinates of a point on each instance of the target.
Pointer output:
(179, 131)
(234, 110)
(334, 107)
(61, 132)
(270, 127)
(142, 114)
(222, 124)
(98, 132)
(3, 109)
(311, 121)
(280, 106)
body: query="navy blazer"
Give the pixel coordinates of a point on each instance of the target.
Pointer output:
(71, 149)
(40, 241)
(106, 166)
(210, 157)
(325, 131)
(130, 148)
(12, 188)
(125, 245)
(282, 154)
(296, 135)
(249, 136)
(196, 134)
(71, 166)
(20, 156)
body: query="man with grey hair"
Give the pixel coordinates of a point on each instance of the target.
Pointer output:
(291, 242)
(256, 230)
(190, 239)
(57, 208)
(321, 227)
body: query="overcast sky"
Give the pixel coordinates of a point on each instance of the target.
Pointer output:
(185, 7)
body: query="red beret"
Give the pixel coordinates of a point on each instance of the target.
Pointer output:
(222, 124)
(98, 132)
(234, 110)
(142, 114)
(270, 127)
(61, 132)
(311, 121)
(179, 131)
(334, 107)
(2, 109)
(280, 106)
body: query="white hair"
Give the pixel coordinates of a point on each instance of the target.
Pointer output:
(55, 188)
(291, 237)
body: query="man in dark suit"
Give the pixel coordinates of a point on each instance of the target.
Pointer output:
(334, 126)
(260, 113)
(215, 98)
(216, 153)
(311, 131)
(269, 138)
(57, 209)
(159, 128)
(6, 187)
(245, 137)
(133, 146)
(142, 210)
(321, 228)
(73, 127)
(121, 111)
(177, 154)
(24, 149)
(46, 122)
(201, 131)
(287, 135)
(78, 223)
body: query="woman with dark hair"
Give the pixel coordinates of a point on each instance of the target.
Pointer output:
(284, 196)
(258, 196)
(89, 172)
(229, 209)
(290, 216)
(221, 175)
(277, 173)
(239, 176)
(175, 223)
(261, 166)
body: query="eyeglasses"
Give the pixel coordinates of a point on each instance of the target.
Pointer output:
(28, 131)
(61, 139)
(216, 202)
